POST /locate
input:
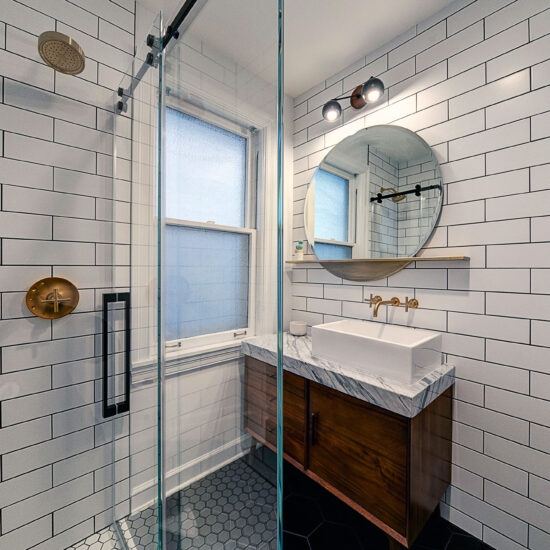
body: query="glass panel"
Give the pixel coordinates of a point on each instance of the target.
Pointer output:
(383, 229)
(220, 136)
(331, 206)
(332, 251)
(205, 171)
(135, 434)
(206, 281)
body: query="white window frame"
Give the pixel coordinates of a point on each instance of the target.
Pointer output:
(352, 185)
(362, 224)
(206, 342)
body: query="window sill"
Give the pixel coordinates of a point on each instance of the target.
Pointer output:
(145, 372)
(200, 350)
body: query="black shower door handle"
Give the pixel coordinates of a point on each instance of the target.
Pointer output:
(124, 405)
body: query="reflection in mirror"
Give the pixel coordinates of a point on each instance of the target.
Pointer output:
(377, 194)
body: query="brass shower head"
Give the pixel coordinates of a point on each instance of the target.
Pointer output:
(61, 52)
(396, 198)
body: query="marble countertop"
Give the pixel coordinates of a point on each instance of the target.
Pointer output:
(404, 399)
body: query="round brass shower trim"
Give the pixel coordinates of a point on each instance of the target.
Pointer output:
(61, 52)
(52, 298)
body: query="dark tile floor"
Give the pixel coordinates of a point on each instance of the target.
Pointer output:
(314, 519)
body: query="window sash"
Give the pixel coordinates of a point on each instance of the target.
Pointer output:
(235, 128)
(335, 242)
(181, 345)
(194, 343)
(352, 210)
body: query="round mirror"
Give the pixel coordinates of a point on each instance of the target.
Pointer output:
(376, 195)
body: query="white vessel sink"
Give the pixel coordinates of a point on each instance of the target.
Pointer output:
(399, 353)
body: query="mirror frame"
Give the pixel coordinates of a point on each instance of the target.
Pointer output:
(368, 269)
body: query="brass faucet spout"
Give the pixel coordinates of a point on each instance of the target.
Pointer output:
(378, 304)
(393, 302)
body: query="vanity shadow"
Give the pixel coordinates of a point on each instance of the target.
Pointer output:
(314, 519)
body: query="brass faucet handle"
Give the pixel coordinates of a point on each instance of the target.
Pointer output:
(412, 303)
(373, 300)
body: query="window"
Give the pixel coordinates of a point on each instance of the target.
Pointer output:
(332, 216)
(209, 238)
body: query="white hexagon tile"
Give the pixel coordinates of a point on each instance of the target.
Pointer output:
(233, 508)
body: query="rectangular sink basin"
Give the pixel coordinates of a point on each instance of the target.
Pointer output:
(399, 353)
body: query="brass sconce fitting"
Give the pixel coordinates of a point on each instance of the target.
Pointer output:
(395, 302)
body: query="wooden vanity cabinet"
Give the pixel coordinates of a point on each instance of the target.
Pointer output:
(361, 452)
(260, 409)
(390, 468)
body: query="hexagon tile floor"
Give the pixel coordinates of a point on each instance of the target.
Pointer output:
(234, 509)
(231, 509)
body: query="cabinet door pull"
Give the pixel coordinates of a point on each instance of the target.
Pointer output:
(314, 421)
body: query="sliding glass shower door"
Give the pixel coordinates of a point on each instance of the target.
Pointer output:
(131, 358)
(198, 115)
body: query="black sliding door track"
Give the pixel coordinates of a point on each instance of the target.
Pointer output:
(172, 31)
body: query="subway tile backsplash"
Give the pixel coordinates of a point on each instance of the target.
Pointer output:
(474, 82)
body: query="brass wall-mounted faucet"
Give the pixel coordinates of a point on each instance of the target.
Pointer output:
(395, 302)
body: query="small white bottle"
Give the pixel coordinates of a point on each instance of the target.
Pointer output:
(299, 251)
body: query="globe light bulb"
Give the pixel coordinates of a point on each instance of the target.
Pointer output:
(332, 110)
(373, 89)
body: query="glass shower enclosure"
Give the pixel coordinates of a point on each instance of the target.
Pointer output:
(202, 104)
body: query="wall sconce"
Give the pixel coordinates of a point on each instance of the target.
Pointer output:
(369, 92)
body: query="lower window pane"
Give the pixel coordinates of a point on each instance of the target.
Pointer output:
(326, 251)
(331, 206)
(207, 273)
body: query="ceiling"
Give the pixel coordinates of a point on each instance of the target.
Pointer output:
(399, 144)
(321, 36)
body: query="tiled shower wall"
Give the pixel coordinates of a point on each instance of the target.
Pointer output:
(59, 213)
(383, 172)
(416, 214)
(474, 82)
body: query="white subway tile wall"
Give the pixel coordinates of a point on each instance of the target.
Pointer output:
(56, 218)
(474, 82)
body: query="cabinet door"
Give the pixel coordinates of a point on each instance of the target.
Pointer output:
(361, 452)
(260, 402)
(294, 417)
(261, 408)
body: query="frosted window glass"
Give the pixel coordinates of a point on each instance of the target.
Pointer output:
(325, 251)
(331, 206)
(206, 281)
(205, 171)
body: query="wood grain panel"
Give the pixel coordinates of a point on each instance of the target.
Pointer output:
(361, 451)
(261, 409)
(295, 417)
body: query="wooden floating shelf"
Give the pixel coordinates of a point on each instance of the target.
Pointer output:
(384, 260)
(373, 269)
